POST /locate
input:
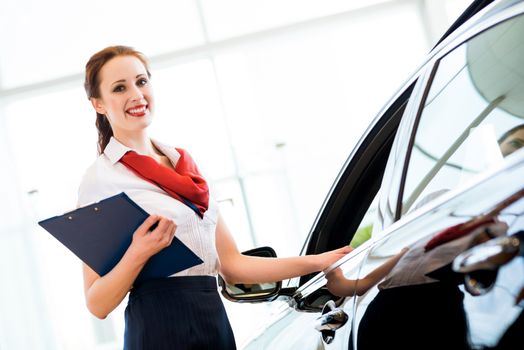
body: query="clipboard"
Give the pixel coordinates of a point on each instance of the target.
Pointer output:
(100, 233)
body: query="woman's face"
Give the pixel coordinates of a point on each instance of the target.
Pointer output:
(126, 96)
(513, 142)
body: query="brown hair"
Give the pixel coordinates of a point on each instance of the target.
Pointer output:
(92, 84)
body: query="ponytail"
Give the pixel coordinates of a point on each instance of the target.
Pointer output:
(104, 132)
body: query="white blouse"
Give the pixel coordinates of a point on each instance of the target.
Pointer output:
(107, 177)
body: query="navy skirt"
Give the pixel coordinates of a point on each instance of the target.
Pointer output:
(177, 313)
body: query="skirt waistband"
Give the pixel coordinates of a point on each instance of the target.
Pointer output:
(182, 283)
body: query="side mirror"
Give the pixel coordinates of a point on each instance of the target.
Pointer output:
(242, 292)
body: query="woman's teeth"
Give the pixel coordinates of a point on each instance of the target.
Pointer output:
(137, 111)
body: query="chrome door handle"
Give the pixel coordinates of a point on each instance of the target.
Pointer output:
(332, 318)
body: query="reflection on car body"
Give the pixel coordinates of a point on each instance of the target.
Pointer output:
(440, 171)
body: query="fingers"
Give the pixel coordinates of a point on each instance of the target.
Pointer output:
(153, 235)
(171, 232)
(332, 256)
(345, 249)
(335, 282)
(333, 274)
(146, 225)
(164, 232)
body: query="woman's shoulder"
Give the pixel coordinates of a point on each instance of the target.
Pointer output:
(96, 168)
(95, 183)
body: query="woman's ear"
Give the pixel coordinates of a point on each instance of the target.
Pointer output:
(97, 105)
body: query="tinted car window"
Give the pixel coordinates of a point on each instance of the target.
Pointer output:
(473, 115)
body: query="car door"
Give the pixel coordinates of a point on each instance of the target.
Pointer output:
(457, 173)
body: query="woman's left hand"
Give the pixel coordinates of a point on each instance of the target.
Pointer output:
(327, 259)
(338, 285)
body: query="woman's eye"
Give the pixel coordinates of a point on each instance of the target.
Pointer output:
(516, 144)
(119, 88)
(142, 82)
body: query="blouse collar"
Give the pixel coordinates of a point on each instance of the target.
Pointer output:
(116, 150)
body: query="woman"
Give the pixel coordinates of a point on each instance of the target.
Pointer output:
(183, 311)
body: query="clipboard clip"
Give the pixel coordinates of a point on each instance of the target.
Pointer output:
(70, 217)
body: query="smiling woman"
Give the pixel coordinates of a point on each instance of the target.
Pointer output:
(115, 104)
(184, 310)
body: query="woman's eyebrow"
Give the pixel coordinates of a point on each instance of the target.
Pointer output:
(119, 81)
(123, 80)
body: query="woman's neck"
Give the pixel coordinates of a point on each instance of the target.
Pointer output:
(140, 142)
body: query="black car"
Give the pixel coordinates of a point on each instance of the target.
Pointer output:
(440, 171)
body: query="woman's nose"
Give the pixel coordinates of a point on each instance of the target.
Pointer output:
(136, 94)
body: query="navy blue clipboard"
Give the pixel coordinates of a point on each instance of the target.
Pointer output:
(100, 233)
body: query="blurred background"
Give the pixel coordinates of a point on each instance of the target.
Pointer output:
(269, 96)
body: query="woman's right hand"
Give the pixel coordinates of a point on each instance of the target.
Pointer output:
(147, 243)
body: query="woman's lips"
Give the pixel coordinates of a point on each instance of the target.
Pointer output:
(138, 111)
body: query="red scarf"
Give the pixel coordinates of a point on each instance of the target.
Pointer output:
(183, 183)
(456, 231)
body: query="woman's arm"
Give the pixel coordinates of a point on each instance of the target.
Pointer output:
(238, 268)
(341, 286)
(104, 294)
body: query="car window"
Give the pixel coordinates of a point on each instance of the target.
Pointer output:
(365, 229)
(472, 117)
